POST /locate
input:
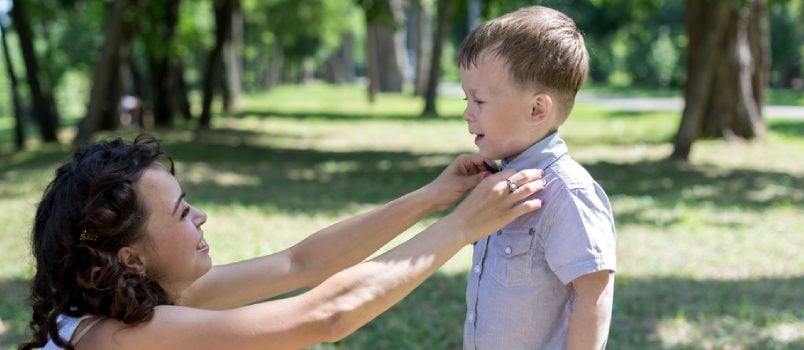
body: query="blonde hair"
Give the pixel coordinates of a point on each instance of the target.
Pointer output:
(541, 48)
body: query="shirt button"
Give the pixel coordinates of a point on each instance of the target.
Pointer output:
(476, 269)
(508, 250)
(470, 317)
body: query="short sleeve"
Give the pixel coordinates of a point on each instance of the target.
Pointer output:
(580, 236)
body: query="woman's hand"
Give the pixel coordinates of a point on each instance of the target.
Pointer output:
(462, 175)
(493, 204)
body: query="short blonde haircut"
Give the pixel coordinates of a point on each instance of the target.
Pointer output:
(542, 49)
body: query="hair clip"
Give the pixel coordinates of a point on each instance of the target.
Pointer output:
(86, 236)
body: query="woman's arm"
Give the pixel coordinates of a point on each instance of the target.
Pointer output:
(345, 301)
(332, 249)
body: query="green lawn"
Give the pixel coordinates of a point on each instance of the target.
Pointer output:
(710, 254)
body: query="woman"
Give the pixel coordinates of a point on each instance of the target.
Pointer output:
(121, 260)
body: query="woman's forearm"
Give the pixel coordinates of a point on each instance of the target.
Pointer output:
(351, 241)
(358, 294)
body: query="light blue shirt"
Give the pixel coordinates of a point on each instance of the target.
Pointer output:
(518, 293)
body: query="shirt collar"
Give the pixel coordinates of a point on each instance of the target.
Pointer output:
(540, 155)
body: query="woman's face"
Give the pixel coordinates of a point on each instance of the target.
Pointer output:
(175, 253)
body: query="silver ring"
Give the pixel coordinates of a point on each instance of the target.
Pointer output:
(511, 185)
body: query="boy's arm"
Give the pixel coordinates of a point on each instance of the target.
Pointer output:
(591, 316)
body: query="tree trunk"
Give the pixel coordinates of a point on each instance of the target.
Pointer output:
(339, 66)
(163, 71)
(43, 105)
(391, 52)
(274, 76)
(726, 72)
(106, 82)
(180, 95)
(19, 126)
(473, 13)
(372, 69)
(423, 46)
(445, 13)
(233, 60)
(223, 24)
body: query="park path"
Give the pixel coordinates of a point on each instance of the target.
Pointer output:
(640, 104)
(674, 104)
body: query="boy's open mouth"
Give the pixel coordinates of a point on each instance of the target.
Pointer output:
(478, 138)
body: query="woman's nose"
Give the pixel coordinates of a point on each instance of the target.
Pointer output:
(202, 217)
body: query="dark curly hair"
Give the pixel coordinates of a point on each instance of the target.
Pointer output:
(93, 195)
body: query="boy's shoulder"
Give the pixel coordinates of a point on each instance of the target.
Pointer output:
(566, 174)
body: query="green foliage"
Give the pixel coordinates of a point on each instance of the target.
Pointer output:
(787, 41)
(301, 27)
(68, 35)
(629, 42)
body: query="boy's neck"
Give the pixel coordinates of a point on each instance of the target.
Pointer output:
(541, 136)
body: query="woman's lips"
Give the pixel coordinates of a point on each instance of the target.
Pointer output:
(202, 245)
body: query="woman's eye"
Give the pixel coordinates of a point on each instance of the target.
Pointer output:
(185, 212)
(479, 102)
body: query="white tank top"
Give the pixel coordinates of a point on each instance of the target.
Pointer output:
(67, 326)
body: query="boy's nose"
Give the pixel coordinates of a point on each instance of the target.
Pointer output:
(467, 115)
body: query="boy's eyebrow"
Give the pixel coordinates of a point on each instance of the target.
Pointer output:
(178, 201)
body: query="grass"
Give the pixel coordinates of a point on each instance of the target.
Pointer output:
(709, 254)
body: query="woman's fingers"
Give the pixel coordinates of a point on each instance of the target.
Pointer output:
(524, 177)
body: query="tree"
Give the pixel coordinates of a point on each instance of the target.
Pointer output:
(233, 61)
(19, 135)
(445, 10)
(41, 91)
(385, 45)
(106, 81)
(727, 64)
(158, 31)
(224, 10)
(422, 43)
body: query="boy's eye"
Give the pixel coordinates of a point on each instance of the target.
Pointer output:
(185, 212)
(479, 102)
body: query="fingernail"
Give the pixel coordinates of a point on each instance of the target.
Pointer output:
(486, 174)
(542, 201)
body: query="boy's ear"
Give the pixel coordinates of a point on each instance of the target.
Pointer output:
(131, 260)
(541, 107)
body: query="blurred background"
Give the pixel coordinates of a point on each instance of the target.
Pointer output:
(286, 116)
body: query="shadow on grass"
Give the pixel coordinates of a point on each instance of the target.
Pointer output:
(432, 316)
(669, 184)
(788, 127)
(341, 116)
(303, 180)
(15, 312)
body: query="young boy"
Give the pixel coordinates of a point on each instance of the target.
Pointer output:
(546, 280)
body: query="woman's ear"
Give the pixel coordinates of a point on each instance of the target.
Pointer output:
(541, 107)
(131, 260)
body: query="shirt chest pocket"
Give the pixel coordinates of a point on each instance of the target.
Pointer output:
(511, 251)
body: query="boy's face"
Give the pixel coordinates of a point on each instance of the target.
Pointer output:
(499, 112)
